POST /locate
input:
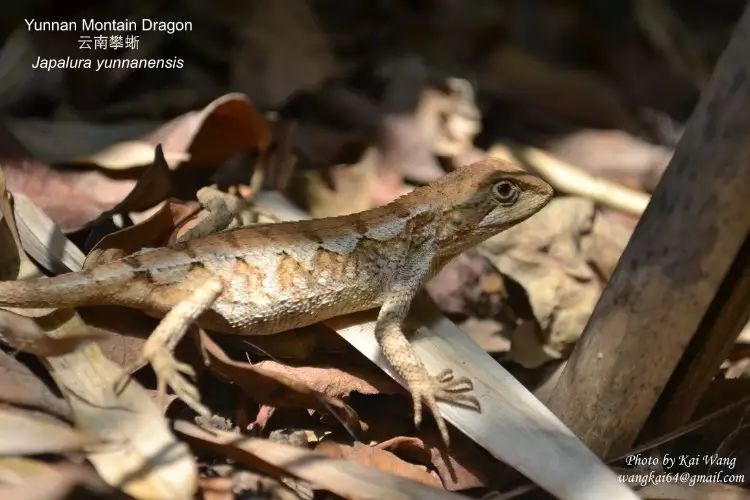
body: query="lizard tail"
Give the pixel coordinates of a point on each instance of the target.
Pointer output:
(66, 290)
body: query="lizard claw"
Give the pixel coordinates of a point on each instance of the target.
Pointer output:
(171, 372)
(445, 387)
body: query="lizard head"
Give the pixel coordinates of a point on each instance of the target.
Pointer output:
(484, 198)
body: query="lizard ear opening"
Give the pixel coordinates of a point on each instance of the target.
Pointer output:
(506, 192)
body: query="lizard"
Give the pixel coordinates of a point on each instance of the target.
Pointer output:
(269, 278)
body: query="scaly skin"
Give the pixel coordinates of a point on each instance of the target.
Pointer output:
(270, 278)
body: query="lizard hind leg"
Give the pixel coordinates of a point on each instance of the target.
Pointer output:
(159, 348)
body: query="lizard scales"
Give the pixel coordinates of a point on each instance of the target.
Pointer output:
(286, 275)
(274, 277)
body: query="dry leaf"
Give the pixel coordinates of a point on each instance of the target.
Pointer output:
(379, 459)
(152, 232)
(228, 125)
(17, 328)
(33, 433)
(544, 256)
(462, 468)
(275, 384)
(459, 286)
(42, 239)
(341, 477)
(62, 141)
(146, 462)
(152, 187)
(19, 386)
(27, 479)
(52, 190)
(615, 155)
(488, 333)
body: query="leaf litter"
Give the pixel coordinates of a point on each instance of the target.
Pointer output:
(335, 130)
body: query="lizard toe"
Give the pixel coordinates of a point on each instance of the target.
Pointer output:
(454, 391)
(171, 372)
(426, 395)
(445, 376)
(462, 384)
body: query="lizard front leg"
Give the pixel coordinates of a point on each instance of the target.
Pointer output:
(424, 388)
(159, 348)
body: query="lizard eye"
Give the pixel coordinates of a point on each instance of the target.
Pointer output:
(506, 192)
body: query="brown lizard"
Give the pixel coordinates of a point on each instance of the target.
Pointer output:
(270, 278)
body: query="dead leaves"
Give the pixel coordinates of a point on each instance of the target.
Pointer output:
(344, 478)
(21, 387)
(24, 433)
(224, 128)
(119, 443)
(544, 257)
(347, 129)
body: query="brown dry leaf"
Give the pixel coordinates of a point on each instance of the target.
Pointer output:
(60, 141)
(406, 149)
(33, 433)
(19, 386)
(339, 190)
(228, 125)
(449, 118)
(488, 333)
(615, 155)
(341, 477)
(152, 232)
(216, 488)
(42, 239)
(459, 286)
(279, 385)
(27, 479)
(97, 196)
(52, 191)
(122, 331)
(606, 241)
(379, 459)
(451, 467)
(43, 332)
(128, 154)
(147, 461)
(152, 187)
(543, 255)
(17, 329)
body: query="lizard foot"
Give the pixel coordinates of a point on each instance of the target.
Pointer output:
(444, 387)
(169, 372)
(159, 348)
(172, 373)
